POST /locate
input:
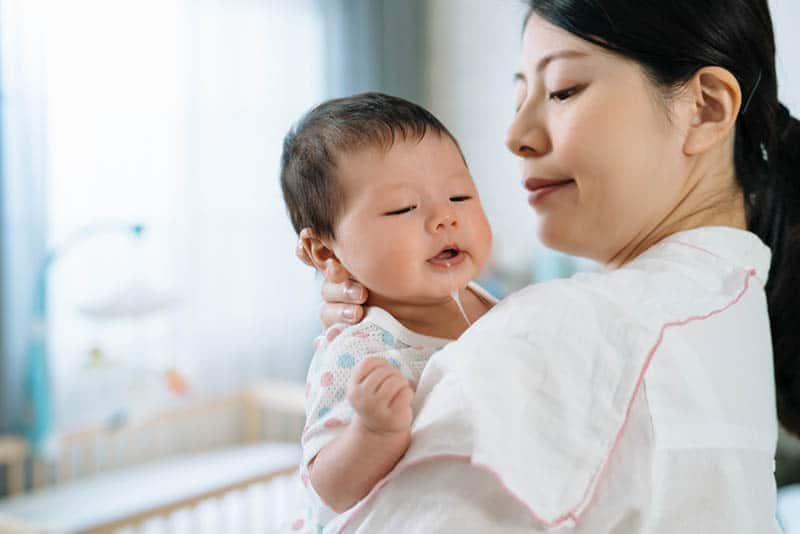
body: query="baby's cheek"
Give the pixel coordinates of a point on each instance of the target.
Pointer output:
(483, 241)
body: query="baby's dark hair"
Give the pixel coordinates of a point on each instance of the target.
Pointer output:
(334, 128)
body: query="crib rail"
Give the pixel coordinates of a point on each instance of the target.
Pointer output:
(197, 425)
(203, 431)
(137, 522)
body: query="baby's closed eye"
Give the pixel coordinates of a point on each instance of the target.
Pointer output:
(401, 211)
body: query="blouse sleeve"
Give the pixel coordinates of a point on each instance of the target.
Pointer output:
(471, 500)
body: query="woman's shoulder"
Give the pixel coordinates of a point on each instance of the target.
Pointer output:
(571, 304)
(664, 285)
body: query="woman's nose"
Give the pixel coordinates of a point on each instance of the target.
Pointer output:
(527, 137)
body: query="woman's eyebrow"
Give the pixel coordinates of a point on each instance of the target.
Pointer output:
(546, 60)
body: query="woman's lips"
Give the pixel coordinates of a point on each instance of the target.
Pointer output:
(541, 187)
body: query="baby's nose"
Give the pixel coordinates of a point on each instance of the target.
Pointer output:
(447, 221)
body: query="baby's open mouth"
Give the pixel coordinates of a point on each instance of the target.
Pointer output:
(447, 254)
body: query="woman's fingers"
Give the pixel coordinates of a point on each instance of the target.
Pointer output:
(340, 313)
(348, 292)
(342, 302)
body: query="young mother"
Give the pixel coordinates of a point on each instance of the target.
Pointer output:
(643, 398)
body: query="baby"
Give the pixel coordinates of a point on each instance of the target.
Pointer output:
(379, 192)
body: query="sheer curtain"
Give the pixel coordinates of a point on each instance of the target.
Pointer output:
(171, 114)
(22, 172)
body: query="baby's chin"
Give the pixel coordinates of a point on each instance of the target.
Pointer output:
(444, 292)
(421, 297)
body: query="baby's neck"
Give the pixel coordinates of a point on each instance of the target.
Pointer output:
(440, 318)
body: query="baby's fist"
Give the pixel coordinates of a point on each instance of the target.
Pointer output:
(381, 396)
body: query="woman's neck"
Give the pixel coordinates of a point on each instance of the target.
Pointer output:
(439, 318)
(723, 206)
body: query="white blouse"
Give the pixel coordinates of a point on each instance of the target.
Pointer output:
(635, 400)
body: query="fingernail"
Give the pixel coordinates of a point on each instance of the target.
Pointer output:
(348, 313)
(354, 293)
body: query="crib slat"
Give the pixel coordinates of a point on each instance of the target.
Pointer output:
(13, 451)
(191, 424)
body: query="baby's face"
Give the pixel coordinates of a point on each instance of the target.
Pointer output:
(408, 213)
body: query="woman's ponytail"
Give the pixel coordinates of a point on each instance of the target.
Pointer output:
(779, 227)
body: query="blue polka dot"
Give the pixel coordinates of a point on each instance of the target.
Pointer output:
(388, 339)
(394, 362)
(346, 360)
(323, 411)
(339, 395)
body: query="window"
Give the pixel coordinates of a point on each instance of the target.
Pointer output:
(171, 114)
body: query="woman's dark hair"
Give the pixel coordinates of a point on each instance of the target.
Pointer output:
(333, 129)
(672, 41)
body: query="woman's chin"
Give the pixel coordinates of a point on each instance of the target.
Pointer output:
(550, 235)
(554, 237)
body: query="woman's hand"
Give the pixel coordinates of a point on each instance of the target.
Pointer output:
(343, 298)
(342, 302)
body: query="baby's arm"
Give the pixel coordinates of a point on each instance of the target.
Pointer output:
(347, 469)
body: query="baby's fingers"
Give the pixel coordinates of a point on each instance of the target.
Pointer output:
(372, 383)
(391, 388)
(366, 379)
(401, 399)
(366, 367)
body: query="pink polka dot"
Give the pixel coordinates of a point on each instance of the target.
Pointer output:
(317, 342)
(304, 478)
(332, 334)
(360, 334)
(333, 423)
(308, 388)
(327, 379)
(297, 525)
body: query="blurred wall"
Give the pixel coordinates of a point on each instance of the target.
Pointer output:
(785, 17)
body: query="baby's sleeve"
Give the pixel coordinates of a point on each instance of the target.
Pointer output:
(327, 408)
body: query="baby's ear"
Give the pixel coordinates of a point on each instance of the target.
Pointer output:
(323, 258)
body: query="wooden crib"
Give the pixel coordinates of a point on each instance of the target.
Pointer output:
(214, 465)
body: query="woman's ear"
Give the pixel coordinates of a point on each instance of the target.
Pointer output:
(322, 257)
(715, 98)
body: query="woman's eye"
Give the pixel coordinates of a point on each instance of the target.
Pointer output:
(461, 198)
(401, 210)
(563, 94)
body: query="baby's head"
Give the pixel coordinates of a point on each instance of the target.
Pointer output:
(378, 191)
